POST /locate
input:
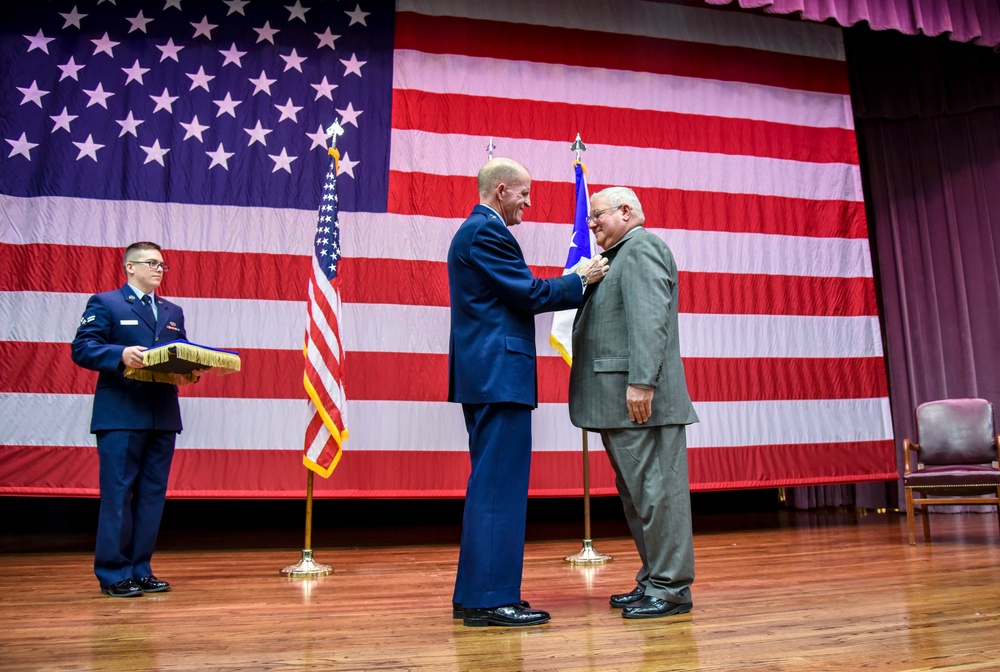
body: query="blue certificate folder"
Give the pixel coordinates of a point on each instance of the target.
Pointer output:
(182, 357)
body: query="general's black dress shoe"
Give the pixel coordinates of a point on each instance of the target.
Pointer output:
(151, 584)
(125, 588)
(654, 607)
(510, 614)
(625, 599)
(456, 608)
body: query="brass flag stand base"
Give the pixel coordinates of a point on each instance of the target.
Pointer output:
(587, 555)
(307, 568)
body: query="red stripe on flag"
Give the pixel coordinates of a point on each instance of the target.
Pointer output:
(742, 467)
(387, 281)
(739, 294)
(332, 354)
(446, 195)
(326, 402)
(758, 379)
(478, 116)
(746, 294)
(312, 429)
(565, 46)
(224, 275)
(72, 471)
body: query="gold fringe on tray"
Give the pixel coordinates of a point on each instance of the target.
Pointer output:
(192, 353)
(224, 362)
(158, 376)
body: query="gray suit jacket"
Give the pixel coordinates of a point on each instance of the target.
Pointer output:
(626, 333)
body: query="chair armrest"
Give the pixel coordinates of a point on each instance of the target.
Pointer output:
(915, 447)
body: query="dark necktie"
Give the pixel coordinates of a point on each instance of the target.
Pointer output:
(147, 306)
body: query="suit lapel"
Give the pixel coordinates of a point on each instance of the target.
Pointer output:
(142, 313)
(593, 289)
(161, 316)
(610, 256)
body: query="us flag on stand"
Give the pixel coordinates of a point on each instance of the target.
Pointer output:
(324, 376)
(200, 125)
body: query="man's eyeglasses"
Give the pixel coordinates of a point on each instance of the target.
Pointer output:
(597, 214)
(153, 264)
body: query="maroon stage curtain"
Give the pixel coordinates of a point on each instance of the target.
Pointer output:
(965, 20)
(928, 113)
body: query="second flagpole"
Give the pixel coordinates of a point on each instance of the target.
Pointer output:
(586, 555)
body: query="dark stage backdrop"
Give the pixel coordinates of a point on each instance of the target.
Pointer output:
(929, 120)
(200, 128)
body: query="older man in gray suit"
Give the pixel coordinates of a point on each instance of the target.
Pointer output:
(627, 382)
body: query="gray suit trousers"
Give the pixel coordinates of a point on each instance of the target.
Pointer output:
(651, 471)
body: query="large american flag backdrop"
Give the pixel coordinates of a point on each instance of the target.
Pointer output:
(199, 125)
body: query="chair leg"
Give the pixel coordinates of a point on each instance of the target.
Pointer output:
(927, 523)
(909, 516)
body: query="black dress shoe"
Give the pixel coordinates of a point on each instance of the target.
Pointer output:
(625, 599)
(151, 584)
(654, 607)
(509, 615)
(125, 588)
(456, 608)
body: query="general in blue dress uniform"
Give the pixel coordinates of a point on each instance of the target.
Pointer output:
(136, 423)
(491, 372)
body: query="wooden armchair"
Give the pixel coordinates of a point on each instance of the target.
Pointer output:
(957, 459)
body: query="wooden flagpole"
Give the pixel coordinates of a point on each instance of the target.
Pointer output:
(587, 555)
(306, 567)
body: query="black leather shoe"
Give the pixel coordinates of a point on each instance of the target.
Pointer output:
(509, 615)
(456, 608)
(625, 599)
(151, 584)
(125, 588)
(654, 607)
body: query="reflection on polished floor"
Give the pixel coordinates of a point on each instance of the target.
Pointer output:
(825, 591)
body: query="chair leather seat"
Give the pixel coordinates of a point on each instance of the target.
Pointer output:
(961, 476)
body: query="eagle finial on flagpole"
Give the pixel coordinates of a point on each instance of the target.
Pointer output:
(332, 131)
(489, 149)
(335, 129)
(578, 146)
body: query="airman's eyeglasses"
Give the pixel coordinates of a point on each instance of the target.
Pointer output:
(153, 264)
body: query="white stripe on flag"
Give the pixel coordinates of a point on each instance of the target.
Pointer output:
(368, 235)
(455, 154)
(436, 73)
(233, 324)
(276, 424)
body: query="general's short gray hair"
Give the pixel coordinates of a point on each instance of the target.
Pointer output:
(497, 170)
(619, 196)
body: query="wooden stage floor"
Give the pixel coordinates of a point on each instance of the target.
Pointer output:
(796, 591)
